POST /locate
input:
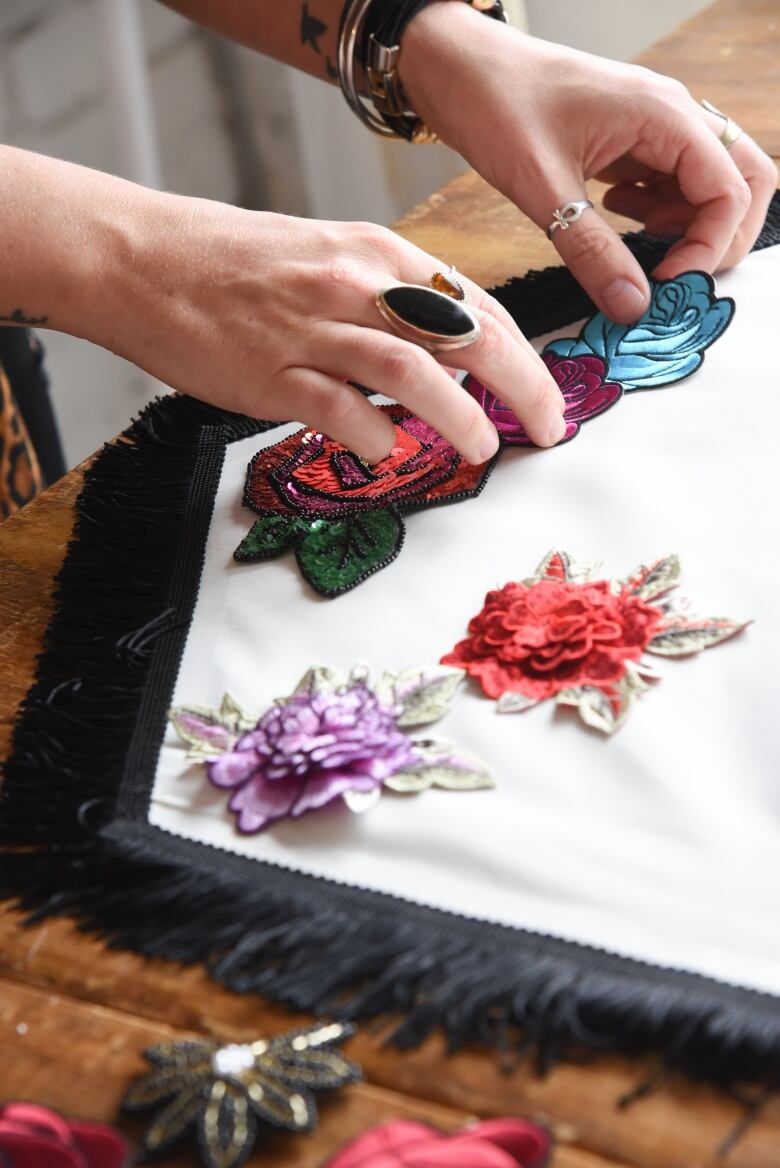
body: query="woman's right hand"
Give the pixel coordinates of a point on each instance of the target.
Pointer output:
(271, 316)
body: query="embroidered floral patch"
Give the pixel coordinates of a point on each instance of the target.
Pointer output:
(221, 1091)
(585, 387)
(592, 370)
(666, 344)
(568, 634)
(333, 738)
(341, 517)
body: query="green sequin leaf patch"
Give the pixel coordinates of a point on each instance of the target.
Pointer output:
(271, 536)
(335, 555)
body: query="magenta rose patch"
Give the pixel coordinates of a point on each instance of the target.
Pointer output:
(585, 387)
(606, 361)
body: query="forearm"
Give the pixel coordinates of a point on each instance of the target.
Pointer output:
(68, 234)
(303, 33)
(241, 309)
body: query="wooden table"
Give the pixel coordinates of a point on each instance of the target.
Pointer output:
(74, 1017)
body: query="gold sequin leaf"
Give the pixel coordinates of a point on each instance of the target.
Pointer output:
(173, 1120)
(226, 1126)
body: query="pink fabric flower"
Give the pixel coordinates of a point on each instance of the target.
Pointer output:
(583, 383)
(494, 1143)
(34, 1137)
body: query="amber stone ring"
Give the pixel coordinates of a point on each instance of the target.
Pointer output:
(436, 320)
(448, 283)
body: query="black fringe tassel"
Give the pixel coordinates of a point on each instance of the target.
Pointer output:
(542, 301)
(124, 602)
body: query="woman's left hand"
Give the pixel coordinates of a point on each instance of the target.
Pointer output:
(537, 120)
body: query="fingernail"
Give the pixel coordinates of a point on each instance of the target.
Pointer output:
(623, 300)
(488, 447)
(556, 431)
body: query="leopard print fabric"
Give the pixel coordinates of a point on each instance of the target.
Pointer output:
(20, 474)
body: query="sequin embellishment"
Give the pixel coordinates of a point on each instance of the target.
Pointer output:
(222, 1091)
(343, 519)
(340, 517)
(567, 633)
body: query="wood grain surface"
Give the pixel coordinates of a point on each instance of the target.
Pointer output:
(75, 1016)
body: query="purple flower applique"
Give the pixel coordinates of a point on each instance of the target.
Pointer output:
(331, 739)
(583, 382)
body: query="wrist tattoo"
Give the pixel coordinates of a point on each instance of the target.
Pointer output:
(20, 317)
(311, 29)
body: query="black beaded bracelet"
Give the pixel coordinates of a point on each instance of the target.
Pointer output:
(376, 46)
(387, 19)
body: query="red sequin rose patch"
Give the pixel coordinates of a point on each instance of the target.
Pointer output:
(341, 517)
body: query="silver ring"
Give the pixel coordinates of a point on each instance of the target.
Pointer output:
(569, 213)
(435, 320)
(731, 131)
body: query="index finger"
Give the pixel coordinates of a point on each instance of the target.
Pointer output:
(708, 178)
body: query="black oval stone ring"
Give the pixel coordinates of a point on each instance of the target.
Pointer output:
(432, 319)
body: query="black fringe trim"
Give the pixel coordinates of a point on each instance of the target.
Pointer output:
(74, 839)
(114, 603)
(542, 301)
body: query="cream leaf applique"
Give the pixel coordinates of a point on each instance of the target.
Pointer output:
(209, 731)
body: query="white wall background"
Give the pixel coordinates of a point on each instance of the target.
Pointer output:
(620, 29)
(302, 152)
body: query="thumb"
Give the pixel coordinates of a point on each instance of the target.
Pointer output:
(595, 255)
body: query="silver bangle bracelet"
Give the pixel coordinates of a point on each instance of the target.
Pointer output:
(386, 98)
(345, 64)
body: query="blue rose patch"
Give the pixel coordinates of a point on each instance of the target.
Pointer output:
(666, 344)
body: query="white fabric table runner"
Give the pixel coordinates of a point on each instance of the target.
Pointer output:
(660, 843)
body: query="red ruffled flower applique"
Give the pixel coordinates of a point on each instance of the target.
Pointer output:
(567, 634)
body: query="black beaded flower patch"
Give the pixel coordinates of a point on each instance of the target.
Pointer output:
(224, 1090)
